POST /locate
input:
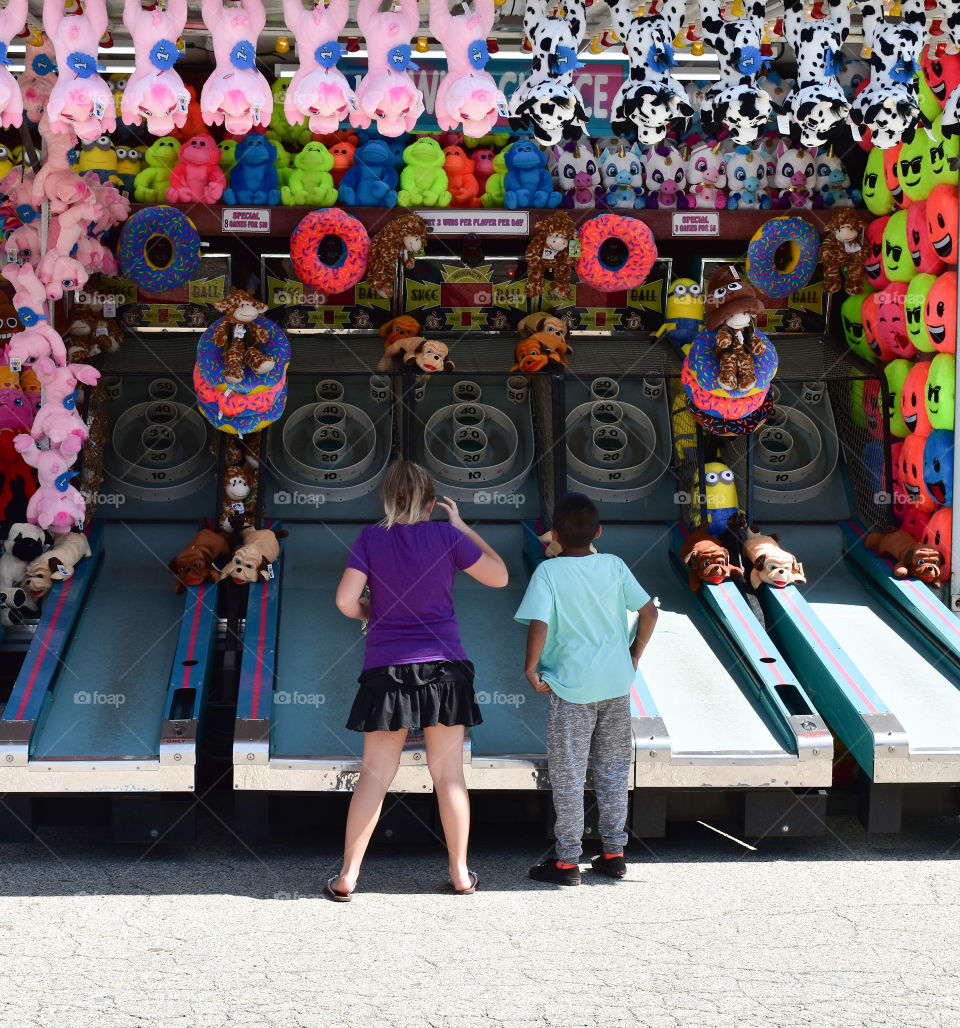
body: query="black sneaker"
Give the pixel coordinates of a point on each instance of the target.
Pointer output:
(613, 867)
(550, 871)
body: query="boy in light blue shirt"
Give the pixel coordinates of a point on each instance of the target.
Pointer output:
(579, 651)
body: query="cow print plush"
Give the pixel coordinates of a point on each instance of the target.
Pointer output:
(950, 123)
(650, 97)
(817, 103)
(547, 101)
(736, 100)
(887, 106)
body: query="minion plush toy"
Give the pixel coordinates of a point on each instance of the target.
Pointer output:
(6, 161)
(720, 496)
(99, 156)
(684, 314)
(129, 165)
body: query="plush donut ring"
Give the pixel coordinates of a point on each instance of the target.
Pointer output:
(804, 245)
(164, 223)
(634, 234)
(305, 242)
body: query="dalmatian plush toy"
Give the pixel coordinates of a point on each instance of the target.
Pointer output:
(650, 97)
(887, 106)
(547, 101)
(736, 100)
(950, 122)
(817, 104)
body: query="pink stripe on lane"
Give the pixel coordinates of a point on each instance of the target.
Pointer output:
(194, 629)
(636, 699)
(833, 660)
(756, 642)
(261, 643)
(42, 656)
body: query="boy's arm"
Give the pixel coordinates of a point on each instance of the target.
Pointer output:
(645, 626)
(536, 639)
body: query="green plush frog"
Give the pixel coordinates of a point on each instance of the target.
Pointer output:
(494, 193)
(150, 185)
(310, 180)
(423, 182)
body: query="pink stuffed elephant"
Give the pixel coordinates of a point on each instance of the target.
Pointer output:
(56, 504)
(467, 95)
(387, 94)
(236, 95)
(318, 91)
(12, 18)
(57, 419)
(155, 91)
(39, 75)
(81, 101)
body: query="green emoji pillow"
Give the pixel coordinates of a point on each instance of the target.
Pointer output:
(897, 262)
(896, 372)
(876, 194)
(914, 307)
(940, 391)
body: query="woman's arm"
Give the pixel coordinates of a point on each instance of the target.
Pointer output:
(490, 568)
(536, 640)
(645, 626)
(350, 599)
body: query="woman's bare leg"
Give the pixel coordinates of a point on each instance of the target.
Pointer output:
(381, 758)
(445, 760)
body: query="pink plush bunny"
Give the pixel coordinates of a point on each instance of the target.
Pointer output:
(318, 91)
(57, 418)
(467, 95)
(56, 181)
(81, 101)
(155, 91)
(236, 95)
(30, 302)
(56, 504)
(12, 18)
(39, 75)
(387, 94)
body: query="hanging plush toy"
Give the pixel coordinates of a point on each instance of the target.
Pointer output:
(951, 104)
(817, 104)
(550, 249)
(39, 74)
(736, 102)
(318, 90)
(155, 91)
(468, 95)
(578, 175)
(81, 101)
(12, 18)
(403, 239)
(387, 94)
(235, 95)
(887, 105)
(547, 101)
(843, 249)
(650, 97)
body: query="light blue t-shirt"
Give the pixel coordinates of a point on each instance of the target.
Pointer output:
(584, 603)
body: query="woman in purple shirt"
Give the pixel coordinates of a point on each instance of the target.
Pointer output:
(415, 673)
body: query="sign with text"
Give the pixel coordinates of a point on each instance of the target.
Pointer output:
(253, 220)
(695, 223)
(491, 223)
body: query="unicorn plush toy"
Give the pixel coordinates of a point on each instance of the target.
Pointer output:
(622, 172)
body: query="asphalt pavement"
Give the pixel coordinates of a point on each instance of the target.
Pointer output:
(844, 930)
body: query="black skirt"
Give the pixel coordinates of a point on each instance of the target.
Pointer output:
(415, 696)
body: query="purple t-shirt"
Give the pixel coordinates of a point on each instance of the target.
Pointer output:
(410, 570)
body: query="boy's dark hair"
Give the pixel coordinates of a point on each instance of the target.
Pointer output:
(575, 520)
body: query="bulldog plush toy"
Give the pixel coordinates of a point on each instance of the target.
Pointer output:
(768, 563)
(57, 564)
(910, 558)
(252, 560)
(194, 565)
(707, 560)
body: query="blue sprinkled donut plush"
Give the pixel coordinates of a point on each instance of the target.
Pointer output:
(804, 243)
(165, 223)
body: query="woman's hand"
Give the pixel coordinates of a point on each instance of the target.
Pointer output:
(453, 512)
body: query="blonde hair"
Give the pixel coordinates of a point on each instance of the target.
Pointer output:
(406, 491)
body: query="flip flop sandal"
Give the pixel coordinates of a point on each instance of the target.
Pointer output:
(332, 894)
(474, 878)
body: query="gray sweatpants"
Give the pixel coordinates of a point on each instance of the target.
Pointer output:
(601, 733)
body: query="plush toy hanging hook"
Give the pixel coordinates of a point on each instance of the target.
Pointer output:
(818, 103)
(887, 105)
(236, 95)
(319, 90)
(736, 100)
(650, 98)
(155, 91)
(547, 101)
(387, 94)
(468, 94)
(81, 101)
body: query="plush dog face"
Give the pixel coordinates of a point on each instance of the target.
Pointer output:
(777, 568)
(192, 567)
(247, 565)
(709, 562)
(27, 542)
(924, 562)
